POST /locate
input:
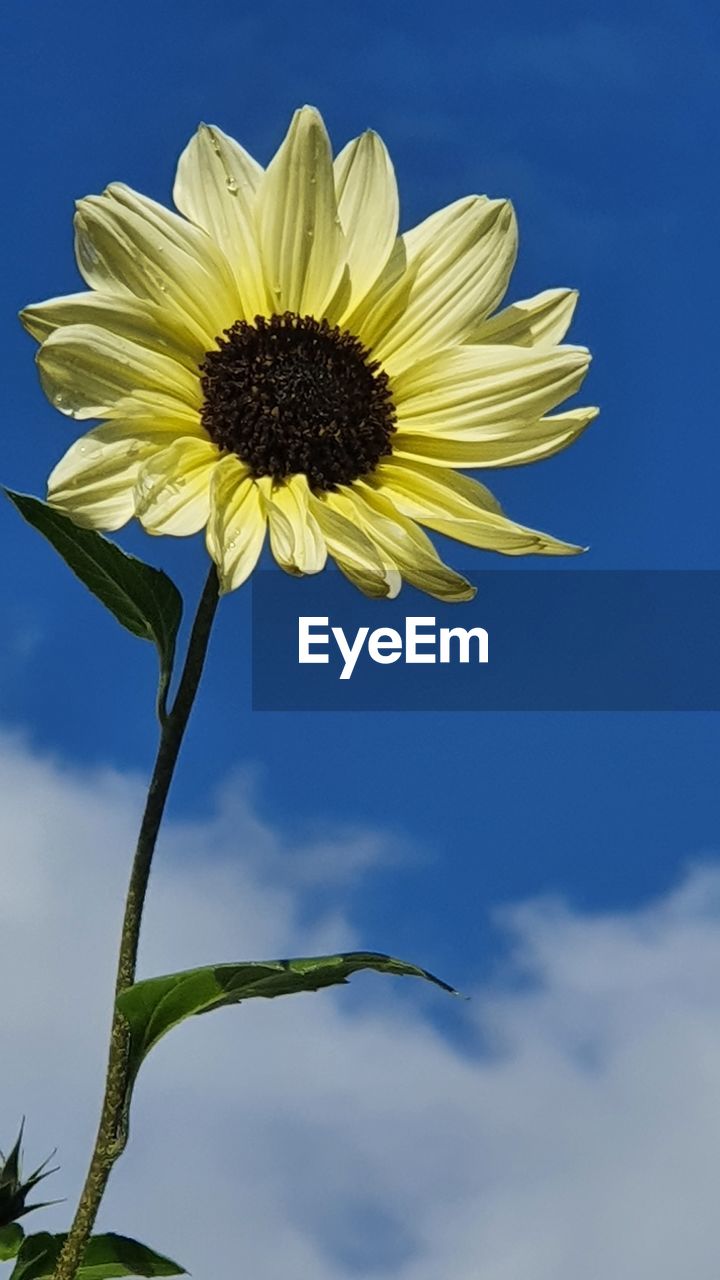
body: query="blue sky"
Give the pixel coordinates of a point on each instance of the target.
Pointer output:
(598, 121)
(601, 123)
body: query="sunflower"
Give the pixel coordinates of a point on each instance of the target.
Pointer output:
(276, 359)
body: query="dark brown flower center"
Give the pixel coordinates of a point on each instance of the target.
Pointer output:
(294, 394)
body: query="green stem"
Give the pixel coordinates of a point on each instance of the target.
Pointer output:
(112, 1135)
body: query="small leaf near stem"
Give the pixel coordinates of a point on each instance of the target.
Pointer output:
(11, 1238)
(106, 1257)
(143, 599)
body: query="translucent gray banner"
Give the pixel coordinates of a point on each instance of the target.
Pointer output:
(530, 641)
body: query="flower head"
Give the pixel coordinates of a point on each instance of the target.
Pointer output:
(276, 359)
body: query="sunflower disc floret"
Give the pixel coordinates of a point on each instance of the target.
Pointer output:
(293, 395)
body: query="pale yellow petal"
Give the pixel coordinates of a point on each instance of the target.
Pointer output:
(144, 404)
(369, 208)
(541, 321)
(509, 444)
(403, 544)
(384, 304)
(282, 539)
(237, 524)
(296, 540)
(353, 552)
(416, 487)
(94, 482)
(467, 392)
(128, 245)
(172, 493)
(89, 373)
(142, 322)
(301, 238)
(154, 428)
(459, 262)
(461, 508)
(215, 187)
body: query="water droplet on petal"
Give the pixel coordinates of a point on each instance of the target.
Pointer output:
(90, 448)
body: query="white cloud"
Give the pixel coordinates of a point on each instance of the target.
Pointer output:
(328, 1136)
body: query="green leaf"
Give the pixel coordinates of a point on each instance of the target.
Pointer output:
(154, 1006)
(105, 1257)
(142, 598)
(11, 1237)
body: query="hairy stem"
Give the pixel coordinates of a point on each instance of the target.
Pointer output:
(111, 1136)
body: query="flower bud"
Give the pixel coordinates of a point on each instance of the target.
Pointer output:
(14, 1189)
